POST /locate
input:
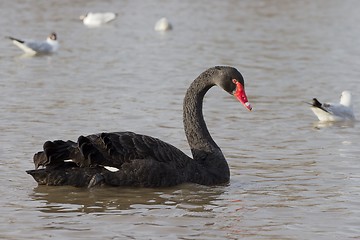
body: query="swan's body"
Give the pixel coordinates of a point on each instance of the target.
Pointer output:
(142, 160)
(162, 25)
(51, 45)
(97, 19)
(330, 112)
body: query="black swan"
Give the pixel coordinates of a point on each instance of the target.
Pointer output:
(142, 160)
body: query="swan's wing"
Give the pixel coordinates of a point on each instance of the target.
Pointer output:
(56, 153)
(115, 149)
(110, 149)
(66, 174)
(140, 161)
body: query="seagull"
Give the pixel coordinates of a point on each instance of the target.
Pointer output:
(97, 19)
(331, 112)
(162, 25)
(51, 45)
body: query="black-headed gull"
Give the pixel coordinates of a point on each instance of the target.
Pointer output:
(162, 25)
(334, 111)
(97, 19)
(51, 45)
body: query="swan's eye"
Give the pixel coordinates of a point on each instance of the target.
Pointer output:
(236, 82)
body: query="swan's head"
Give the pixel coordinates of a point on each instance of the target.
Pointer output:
(231, 80)
(345, 98)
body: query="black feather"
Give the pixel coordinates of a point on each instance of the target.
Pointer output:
(15, 39)
(318, 104)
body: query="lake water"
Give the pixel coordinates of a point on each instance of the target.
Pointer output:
(291, 177)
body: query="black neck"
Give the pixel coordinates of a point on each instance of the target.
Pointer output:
(199, 138)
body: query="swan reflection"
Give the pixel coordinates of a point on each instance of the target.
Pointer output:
(190, 198)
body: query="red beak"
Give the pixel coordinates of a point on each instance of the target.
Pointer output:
(241, 95)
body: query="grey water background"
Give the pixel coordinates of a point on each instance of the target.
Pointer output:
(291, 177)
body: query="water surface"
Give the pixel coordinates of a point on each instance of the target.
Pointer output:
(291, 177)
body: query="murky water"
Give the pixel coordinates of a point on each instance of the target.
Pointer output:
(291, 177)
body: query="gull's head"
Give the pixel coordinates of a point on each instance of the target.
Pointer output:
(345, 98)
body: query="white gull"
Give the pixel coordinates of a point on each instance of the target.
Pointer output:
(334, 111)
(97, 19)
(50, 45)
(162, 25)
